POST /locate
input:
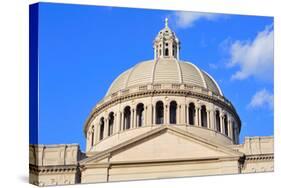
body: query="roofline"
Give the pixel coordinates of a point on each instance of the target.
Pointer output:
(108, 152)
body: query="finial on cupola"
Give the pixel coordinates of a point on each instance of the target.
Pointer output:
(166, 22)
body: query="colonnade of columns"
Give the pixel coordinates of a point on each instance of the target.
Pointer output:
(160, 113)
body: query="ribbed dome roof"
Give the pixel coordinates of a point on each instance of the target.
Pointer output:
(164, 70)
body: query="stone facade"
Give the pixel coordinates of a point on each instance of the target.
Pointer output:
(162, 118)
(146, 157)
(54, 164)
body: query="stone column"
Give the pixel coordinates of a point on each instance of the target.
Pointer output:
(187, 114)
(208, 119)
(212, 120)
(182, 114)
(178, 109)
(122, 121)
(145, 116)
(96, 134)
(105, 133)
(199, 117)
(153, 115)
(222, 124)
(196, 116)
(98, 129)
(116, 122)
(149, 115)
(132, 118)
(167, 114)
(89, 140)
(135, 118)
(230, 128)
(235, 135)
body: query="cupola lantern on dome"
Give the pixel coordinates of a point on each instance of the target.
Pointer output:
(166, 44)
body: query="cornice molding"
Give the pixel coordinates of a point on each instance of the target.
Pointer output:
(53, 169)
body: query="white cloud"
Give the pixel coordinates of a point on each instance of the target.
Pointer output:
(262, 98)
(254, 58)
(187, 19)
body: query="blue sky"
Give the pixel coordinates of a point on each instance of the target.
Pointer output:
(82, 49)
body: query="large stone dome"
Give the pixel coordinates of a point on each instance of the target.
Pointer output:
(164, 70)
(163, 92)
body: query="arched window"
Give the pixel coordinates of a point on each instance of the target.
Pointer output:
(92, 136)
(127, 118)
(173, 112)
(225, 125)
(233, 132)
(159, 112)
(166, 52)
(140, 109)
(191, 113)
(218, 123)
(203, 116)
(101, 128)
(110, 123)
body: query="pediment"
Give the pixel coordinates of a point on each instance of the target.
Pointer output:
(164, 143)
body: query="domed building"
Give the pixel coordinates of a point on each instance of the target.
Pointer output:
(163, 92)
(163, 118)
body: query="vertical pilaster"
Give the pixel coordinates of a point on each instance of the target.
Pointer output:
(132, 118)
(167, 114)
(149, 115)
(99, 132)
(116, 122)
(196, 116)
(153, 117)
(222, 124)
(96, 134)
(183, 114)
(105, 133)
(200, 118)
(178, 114)
(230, 128)
(187, 114)
(208, 119)
(212, 120)
(88, 140)
(145, 116)
(122, 121)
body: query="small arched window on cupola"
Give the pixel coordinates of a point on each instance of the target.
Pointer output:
(191, 113)
(92, 136)
(166, 52)
(203, 116)
(140, 112)
(159, 112)
(173, 112)
(127, 118)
